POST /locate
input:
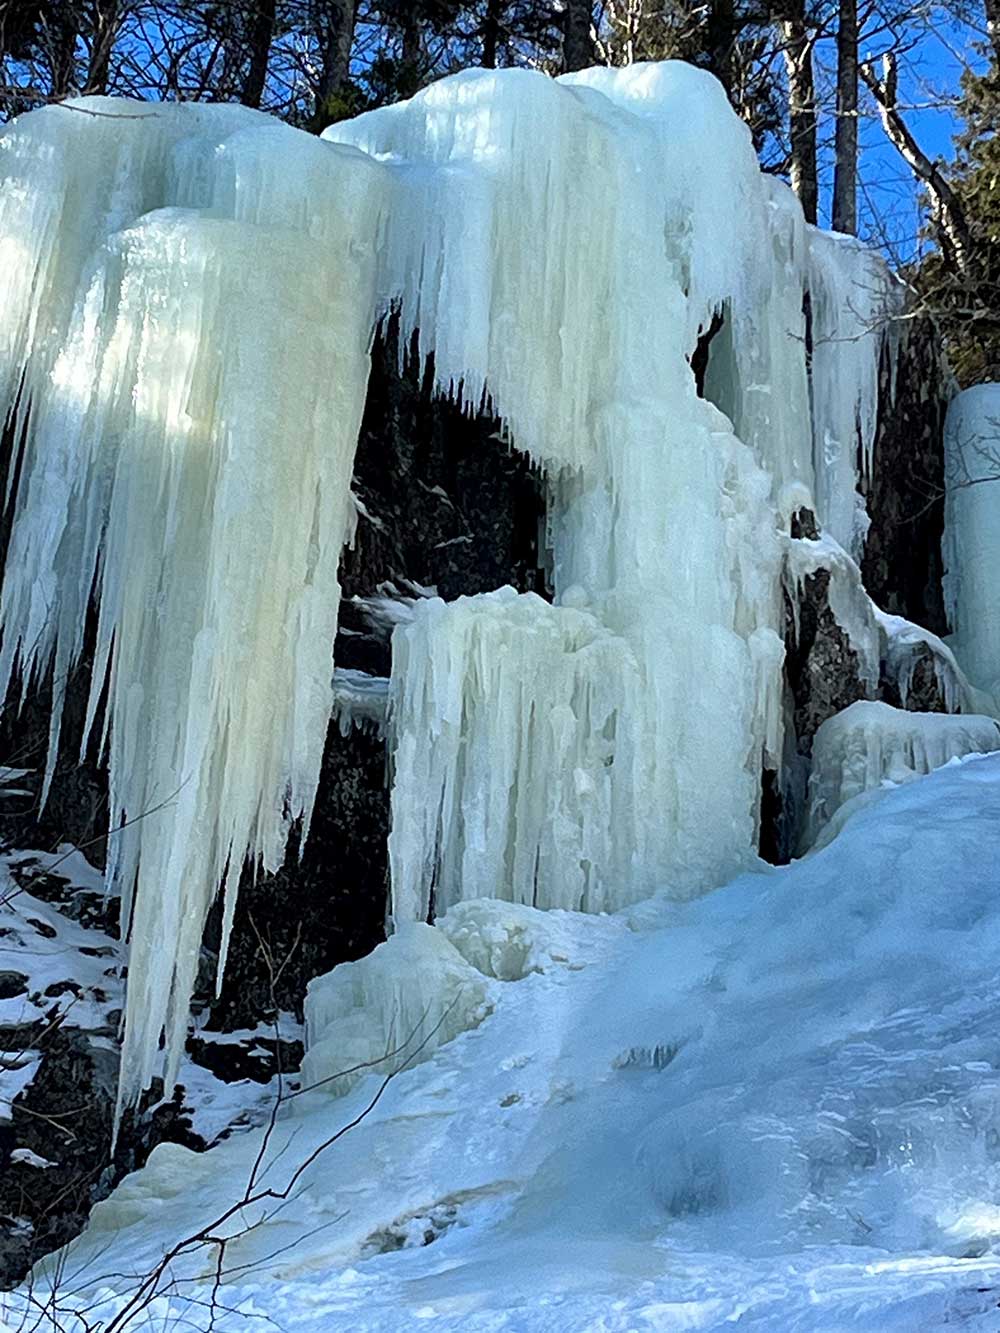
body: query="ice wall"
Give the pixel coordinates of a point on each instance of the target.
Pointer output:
(972, 534)
(871, 743)
(186, 300)
(655, 216)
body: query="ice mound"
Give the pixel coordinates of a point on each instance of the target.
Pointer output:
(870, 743)
(390, 1010)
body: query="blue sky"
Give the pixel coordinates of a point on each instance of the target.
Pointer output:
(929, 74)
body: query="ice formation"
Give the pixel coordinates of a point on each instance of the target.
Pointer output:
(188, 294)
(871, 743)
(849, 604)
(905, 645)
(390, 1010)
(972, 534)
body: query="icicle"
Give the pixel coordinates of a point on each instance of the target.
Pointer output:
(193, 449)
(854, 299)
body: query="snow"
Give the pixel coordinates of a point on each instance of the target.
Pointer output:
(158, 264)
(871, 743)
(972, 533)
(773, 1106)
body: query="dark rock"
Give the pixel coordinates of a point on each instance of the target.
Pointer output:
(11, 984)
(902, 565)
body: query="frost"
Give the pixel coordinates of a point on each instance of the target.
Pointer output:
(870, 743)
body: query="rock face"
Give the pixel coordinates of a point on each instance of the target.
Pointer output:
(905, 495)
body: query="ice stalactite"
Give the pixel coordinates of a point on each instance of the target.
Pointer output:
(853, 300)
(871, 743)
(972, 534)
(186, 302)
(191, 450)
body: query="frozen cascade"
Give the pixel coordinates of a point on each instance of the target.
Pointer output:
(158, 466)
(972, 534)
(871, 743)
(188, 295)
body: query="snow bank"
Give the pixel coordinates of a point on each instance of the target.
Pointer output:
(871, 743)
(809, 1142)
(972, 533)
(390, 1010)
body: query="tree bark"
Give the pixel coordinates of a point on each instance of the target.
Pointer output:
(578, 47)
(491, 33)
(949, 215)
(845, 173)
(260, 37)
(334, 24)
(798, 53)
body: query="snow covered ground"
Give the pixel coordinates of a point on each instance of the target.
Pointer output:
(776, 1107)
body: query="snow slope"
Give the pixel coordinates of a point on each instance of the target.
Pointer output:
(774, 1107)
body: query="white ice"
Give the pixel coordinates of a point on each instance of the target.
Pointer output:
(972, 534)
(870, 743)
(187, 301)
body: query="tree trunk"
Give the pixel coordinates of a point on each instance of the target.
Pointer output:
(491, 33)
(798, 52)
(334, 23)
(411, 54)
(578, 48)
(722, 41)
(845, 174)
(260, 37)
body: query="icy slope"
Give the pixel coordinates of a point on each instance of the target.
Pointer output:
(775, 1105)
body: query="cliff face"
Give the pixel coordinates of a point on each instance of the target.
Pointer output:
(444, 504)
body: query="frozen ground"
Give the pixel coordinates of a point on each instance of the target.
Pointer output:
(777, 1107)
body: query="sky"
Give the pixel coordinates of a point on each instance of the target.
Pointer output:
(929, 76)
